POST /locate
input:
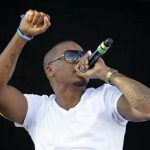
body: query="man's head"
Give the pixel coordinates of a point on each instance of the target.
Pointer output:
(61, 71)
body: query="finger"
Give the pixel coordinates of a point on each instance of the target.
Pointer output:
(84, 60)
(40, 19)
(101, 60)
(82, 65)
(29, 15)
(35, 18)
(47, 22)
(79, 72)
(84, 68)
(48, 17)
(46, 25)
(78, 69)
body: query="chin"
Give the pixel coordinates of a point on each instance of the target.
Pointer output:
(82, 82)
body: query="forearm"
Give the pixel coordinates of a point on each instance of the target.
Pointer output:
(32, 24)
(137, 94)
(9, 57)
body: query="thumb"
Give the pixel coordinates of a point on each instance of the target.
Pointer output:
(82, 73)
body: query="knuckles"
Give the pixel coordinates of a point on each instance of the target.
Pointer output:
(34, 22)
(34, 13)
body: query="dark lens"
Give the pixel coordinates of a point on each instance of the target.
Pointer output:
(71, 55)
(81, 53)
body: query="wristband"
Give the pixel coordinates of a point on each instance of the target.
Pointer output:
(109, 74)
(22, 35)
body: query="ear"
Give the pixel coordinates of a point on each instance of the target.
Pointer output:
(49, 71)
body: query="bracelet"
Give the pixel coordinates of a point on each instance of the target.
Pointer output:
(109, 74)
(22, 35)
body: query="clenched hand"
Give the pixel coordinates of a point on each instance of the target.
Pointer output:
(34, 23)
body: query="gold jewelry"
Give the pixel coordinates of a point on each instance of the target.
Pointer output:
(109, 74)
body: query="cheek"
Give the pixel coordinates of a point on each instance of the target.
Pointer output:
(64, 70)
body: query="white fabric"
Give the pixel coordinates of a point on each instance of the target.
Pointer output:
(93, 124)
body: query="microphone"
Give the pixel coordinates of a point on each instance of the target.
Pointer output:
(101, 49)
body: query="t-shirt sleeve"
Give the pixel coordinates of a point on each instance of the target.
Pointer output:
(111, 97)
(34, 103)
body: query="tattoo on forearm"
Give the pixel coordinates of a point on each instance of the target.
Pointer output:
(13, 57)
(137, 94)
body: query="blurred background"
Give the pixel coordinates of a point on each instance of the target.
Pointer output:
(88, 22)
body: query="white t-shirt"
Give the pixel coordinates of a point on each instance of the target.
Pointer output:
(93, 124)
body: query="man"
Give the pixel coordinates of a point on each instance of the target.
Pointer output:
(74, 118)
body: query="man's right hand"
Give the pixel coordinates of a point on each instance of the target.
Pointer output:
(34, 23)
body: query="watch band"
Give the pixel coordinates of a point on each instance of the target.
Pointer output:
(109, 74)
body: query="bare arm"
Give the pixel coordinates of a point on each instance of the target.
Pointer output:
(13, 104)
(9, 57)
(32, 24)
(134, 104)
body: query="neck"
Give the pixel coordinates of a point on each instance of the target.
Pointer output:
(68, 97)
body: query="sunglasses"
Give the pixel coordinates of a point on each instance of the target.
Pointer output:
(70, 56)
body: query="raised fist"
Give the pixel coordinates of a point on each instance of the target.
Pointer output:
(34, 23)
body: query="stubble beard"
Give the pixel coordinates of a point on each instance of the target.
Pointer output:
(81, 83)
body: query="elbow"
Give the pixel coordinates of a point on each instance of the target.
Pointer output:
(3, 79)
(2, 83)
(145, 111)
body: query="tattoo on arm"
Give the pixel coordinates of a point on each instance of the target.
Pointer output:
(13, 57)
(136, 93)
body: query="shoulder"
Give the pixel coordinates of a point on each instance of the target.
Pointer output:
(38, 97)
(35, 99)
(105, 94)
(101, 89)
(99, 94)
